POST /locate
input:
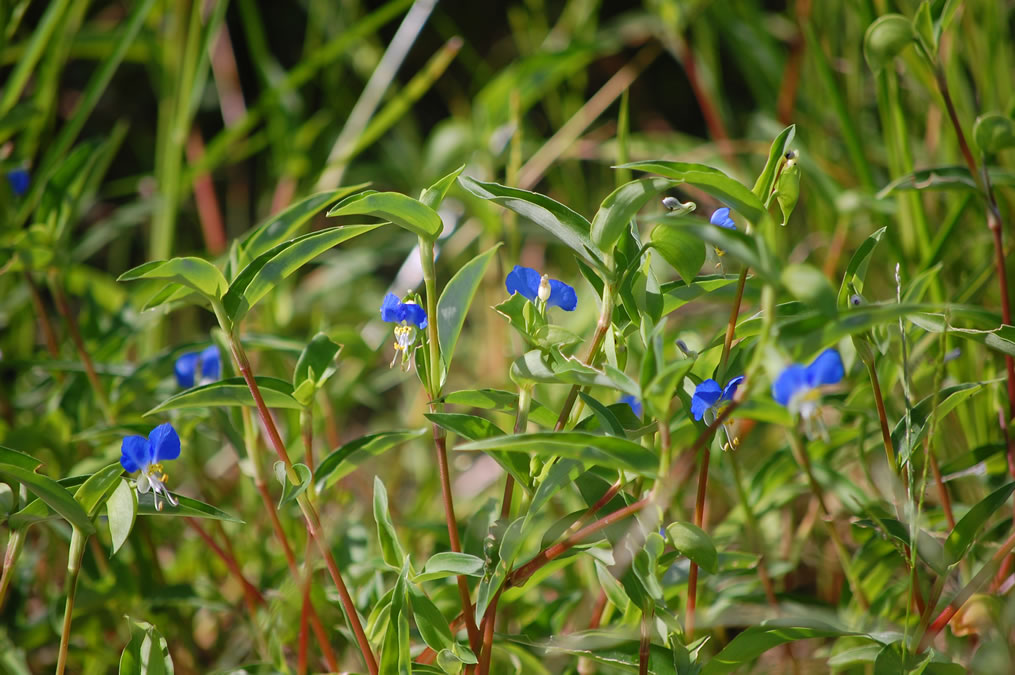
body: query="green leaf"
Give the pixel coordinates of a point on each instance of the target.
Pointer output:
(344, 460)
(757, 640)
(285, 224)
(401, 210)
(645, 563)
(194, 273)
(562, 473)
(693, 542)
(434, 195)
(467, 426)
(315, 366)
(455, 301)
(945, 178)
(606, 451)
(994, 132)
(923, 28)
(94, 492)
(607, 420)
(433, 627)
(188, 508)
(613, 589)
(806, 336)
(766, 180)
(50, 492)
(537, 366)
(930, 548)
(681, 249)
(714, 182)
(121, 511)
(232, 391)
(500, 401)
(808, 285)
(391, 550)
(940, 404)
(290, 491)
(744, 248)
(620, 206)
(268, 269)
(147, 653)
(962, 537)
(560, 221)
(856, 270)
(663, 386)
(449, 564)
(885, 38)
(18, 459)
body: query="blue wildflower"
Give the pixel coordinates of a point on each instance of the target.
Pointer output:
(19, 179)
(721, 217)
(202, 367)
(632, 401)
(409, 316)
(798, 387)
(146, 455)
(531, 285)
(709, 397)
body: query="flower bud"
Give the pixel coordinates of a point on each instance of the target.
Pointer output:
(544, 288)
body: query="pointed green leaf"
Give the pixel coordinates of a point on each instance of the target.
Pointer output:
(194, 273)
(50, 492)
(694, 542)
(401, 210)
(448, 564)
(188, 508)
(455, 301)
(560, 221)
(500, 401)
(391, 550)
(315, 366)
(147, 653)
(681, 249)
(856, 270)
(766, 180)
(606, 451)
(232, 391)
(121, 511)
(620, 206)
(962, 537)
(434, 195)
(757, 640)
(945, 178)
(94, 492)
(344, 460)
(290, 491)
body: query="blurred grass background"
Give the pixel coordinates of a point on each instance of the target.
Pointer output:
(171, 128)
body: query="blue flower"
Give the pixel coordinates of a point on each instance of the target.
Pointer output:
(708, 396)
(632, 401)
(798, 387)
(721, 217)
(531, 285)
(409, 316)
(395, 311)
(19, 180)
(146, 455)
(203, 367)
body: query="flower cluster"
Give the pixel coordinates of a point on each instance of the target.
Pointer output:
(549, 292)
(146, 455)
(200, 367)
(408, 316)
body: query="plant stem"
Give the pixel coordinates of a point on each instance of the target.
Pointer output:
(77, 549)
(15, 542)
(968, 590)
(490, 616)
(313, 522)
(731, 327)
(840, 548)
(63, 307)
(426, 256)
(645, 645)
(886, 433)
(699, 520)
(40, 311)
(603, 325)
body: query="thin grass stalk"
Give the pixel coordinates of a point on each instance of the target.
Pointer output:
(426, 255)
(74, 555)
(15, 544)
(310, 516)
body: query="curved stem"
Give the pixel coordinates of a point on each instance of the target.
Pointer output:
(77, 549)
(645, 645)
(15, 543)
(310, 516)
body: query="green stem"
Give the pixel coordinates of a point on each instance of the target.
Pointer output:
(15, 543)
(433, 386)
(311, 518)
(603, 325)
(802, 458)
(77, 549)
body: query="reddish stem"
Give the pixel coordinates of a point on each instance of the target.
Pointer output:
(699, 520)
(208, 210)
(252, 596)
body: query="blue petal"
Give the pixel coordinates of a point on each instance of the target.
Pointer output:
(731, 388)
(211, 364)
(632, 401)
(134, 453)
(705, 396)
(414, 314)
(562, 295)
(389, 308)
(165, 444)
(524, 280)
(826, 369)
(19, 180)
(721, 217)
(790, 381)
(184, 369)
